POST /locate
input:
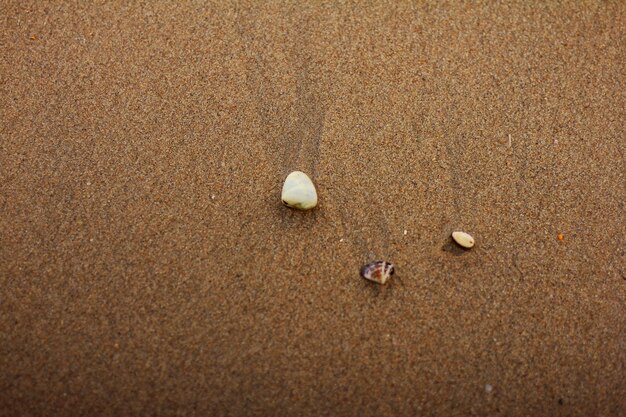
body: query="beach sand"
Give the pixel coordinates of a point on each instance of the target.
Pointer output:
(147, 266)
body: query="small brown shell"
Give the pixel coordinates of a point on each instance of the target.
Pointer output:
(378, 271)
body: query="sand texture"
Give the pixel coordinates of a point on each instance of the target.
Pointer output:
(148, 267)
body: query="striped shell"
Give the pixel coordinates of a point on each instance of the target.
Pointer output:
(378, 271)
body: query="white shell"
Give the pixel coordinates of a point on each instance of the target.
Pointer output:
(299, 191)
(463, 239)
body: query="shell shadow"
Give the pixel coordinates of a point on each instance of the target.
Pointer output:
(451, 247)
(383, 291)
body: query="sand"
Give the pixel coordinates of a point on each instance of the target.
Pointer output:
(147, 266)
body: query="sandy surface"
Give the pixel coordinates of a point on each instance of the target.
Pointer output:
(147, 266)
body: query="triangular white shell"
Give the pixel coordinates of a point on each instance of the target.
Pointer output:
(299, 191)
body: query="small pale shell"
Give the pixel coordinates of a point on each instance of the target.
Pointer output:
(378, 271)
(299, 191)
(463, 239)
